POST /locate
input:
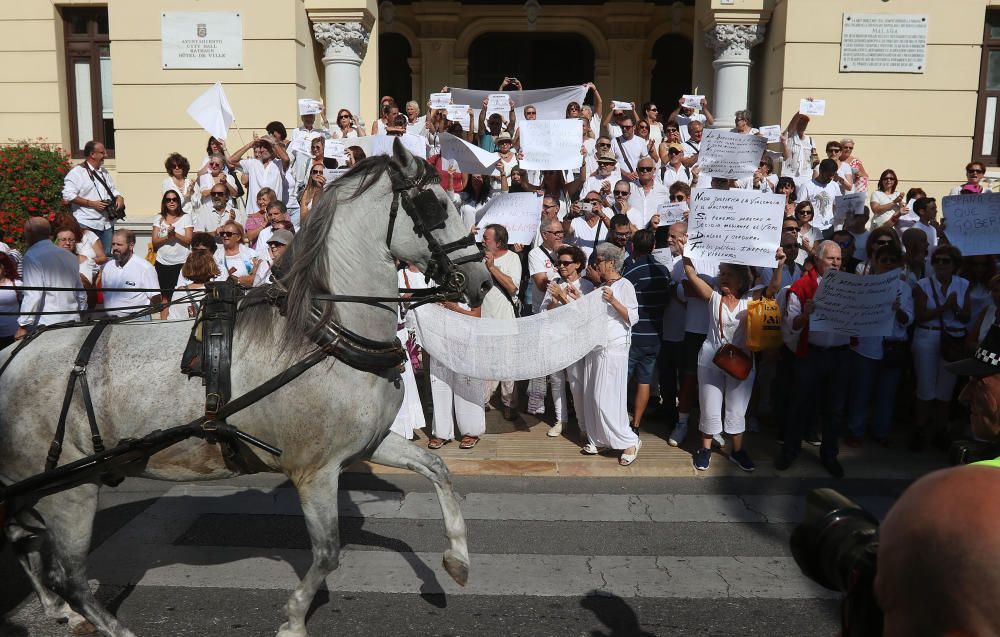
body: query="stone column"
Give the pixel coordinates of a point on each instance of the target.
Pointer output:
(344, 47)
(732, 44)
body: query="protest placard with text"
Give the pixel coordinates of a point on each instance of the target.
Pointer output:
(382, 144)
(855, 305)
(470, 158)
(552, 144)
(671, 212)
(693, 101)
(335, 148)
(729, 155)
(440, 100)
(771, 133)
(849, 205)
(973, 223)
(736, 226)
(812, 107)
(333, 174)
(459, 113)
(310, 107)
(518, 212)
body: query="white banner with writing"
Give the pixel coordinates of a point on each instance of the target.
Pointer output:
(850, 205)
(518, 212)
(550, 103)
(552, 144)
(973, 223)
(854, 304)
(736, 226)
(730, 155)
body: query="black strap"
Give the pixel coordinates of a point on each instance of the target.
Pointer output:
(93, 173)
(624, 154)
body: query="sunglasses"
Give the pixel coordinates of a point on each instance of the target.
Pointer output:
(214, 194)
(622, 193)
(274, 246)
(593, 201)
(941, 261)
(883, 242)
(226, 235)
(627, 127)
(671, 128)
(317, 172)
(604, 145)
(803, 213)
(529, 112)
(646, 169)
(623, 235)
(343, 117)
(790, 229)
(832, 150)
(171, 200)
(566, 264)
(553, 205)
(654, 110)
(975, 171)
(678, 198)
(212, 165)
(557, 233)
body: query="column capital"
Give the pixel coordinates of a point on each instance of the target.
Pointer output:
(734, 40)
(342, 38)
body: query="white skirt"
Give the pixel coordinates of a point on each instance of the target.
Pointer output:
(411, 412)
(607, 414)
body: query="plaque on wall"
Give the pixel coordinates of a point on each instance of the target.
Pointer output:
(883, 43)
(202, 40)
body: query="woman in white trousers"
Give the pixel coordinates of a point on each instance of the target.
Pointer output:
(458, 399)
(727, 325)
(607, 381)
(569, 287)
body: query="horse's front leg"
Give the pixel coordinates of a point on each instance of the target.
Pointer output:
(319, 504)
(396, 451)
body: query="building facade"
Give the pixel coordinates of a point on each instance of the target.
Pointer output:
(74, 70)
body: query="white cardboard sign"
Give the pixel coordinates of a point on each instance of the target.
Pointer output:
(736, 226)
(518, 212)
(812, 108)
(440, 100)
(310, 107)
(693, 101)
(470, 158)
(730, 155)
(854, 304)
(552, 144)
(973, 223)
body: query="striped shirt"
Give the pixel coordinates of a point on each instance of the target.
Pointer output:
(653, 285)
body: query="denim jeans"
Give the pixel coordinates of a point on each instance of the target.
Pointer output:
(871, 378)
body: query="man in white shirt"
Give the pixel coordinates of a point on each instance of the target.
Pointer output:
(648, 195)
(222, 212)
(587, 223)
(542, 261)
(45, 265)
(89, 190)
(629, 149)
(692, 145)
(606, 176)
(267, 168)
(926, 209)
(504, 266)
(125, 270)
(820, 191)
(675, 170)
(685, 116)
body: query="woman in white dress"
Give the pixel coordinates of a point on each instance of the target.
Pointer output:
(199, 268)
(727, 305)
(411, 411)
(607, 418)
(178, 167)
(569, 287)
(458, 399)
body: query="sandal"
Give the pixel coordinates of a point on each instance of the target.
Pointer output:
(436, 443)
(628, 458)
(468, 442)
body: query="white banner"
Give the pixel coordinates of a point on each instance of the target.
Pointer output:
(514, 349)
(310, 107)
(440, 100)
(850, 205)
(549, 102)
(201, 40)
(212, 111)
(518, 212)
(382, 144)
(771, 133)
(552, 144)
(729, 155)
(693, 101)
(736, 226)
(470, 158)
(855, 305)
(812, 107)
(973, 223)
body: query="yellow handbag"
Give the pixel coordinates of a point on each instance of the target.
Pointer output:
(150, 253)
(763, 325)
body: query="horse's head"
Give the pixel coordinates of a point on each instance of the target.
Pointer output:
(427, 229)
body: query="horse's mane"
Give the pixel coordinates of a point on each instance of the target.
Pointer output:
(304, 266)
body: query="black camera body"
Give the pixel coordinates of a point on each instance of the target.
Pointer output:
(112, 211)
(837, 547)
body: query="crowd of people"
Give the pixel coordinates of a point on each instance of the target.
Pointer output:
(600, 232)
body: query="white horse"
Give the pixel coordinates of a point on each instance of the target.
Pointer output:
(323, 420)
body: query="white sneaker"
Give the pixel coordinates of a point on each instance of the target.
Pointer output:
(555, 430)
(719, 441)
(678, 434)
(590, 449)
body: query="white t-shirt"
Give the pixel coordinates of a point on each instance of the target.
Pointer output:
(495, 304)
(272, 175)
(237, 265)
(882, 198)
(648, 202)
(172, 252)
(136, 273)
(635, 149)
(539, 262)
(585, 237)
(799, 164)
(821, 197)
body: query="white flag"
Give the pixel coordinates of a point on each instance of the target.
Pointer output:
(212, 111)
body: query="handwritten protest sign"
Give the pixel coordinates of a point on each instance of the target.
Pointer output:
(693, 101)
(735, 226)
(973, 223)
(849, 205)
(552, 144)
(310, 107)
(729, 155)
(855, 305)
(812, 107)
(771, 133)
(440, 100)
(672, 212)
(459, 113)
(333, 175)
(620, 105)
(518, 212)
(335, 148)
(470, 158)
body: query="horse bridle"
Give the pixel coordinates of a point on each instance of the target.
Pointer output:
(429, 214)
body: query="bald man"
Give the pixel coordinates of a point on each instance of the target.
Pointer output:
(48, 266)
(939, 556)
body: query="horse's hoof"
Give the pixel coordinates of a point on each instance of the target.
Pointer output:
(83, 628)
(285, 631)
(457, 567)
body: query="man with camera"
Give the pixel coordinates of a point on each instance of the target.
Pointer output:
(95, 202)
(587, 223)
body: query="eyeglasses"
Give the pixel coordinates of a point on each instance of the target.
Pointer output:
(627, 127)
(343, 116)
(214, 165)
(529, 112)
(226, 235)
(653, 110)
(171, 200)
(803, 213)
(671, 128)
(883, 242)
(317, 172)
(622, 193)
(593, 201)
(678, 198)
(941, 261)
(557, 233)
(646, 169)
(608, 145)
(214, 194)
(790, 229)
(623, 235)
(565, 264)
(832, 150)
(975, 171)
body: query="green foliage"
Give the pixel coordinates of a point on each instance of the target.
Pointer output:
(31, 183)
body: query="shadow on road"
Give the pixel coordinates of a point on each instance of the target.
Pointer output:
(615, 613)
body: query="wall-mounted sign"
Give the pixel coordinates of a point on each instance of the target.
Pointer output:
(203, 40)
(883, 43)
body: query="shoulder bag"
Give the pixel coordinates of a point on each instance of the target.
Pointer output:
(731, 359)
(952, 347)
(624, 154)
(112, 211)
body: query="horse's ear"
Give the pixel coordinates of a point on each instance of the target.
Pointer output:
(401, 155)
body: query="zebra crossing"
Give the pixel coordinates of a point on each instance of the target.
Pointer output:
(635, 545)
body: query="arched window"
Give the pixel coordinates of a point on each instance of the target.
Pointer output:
(539, 60)
(673, 56)
(394, 68)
